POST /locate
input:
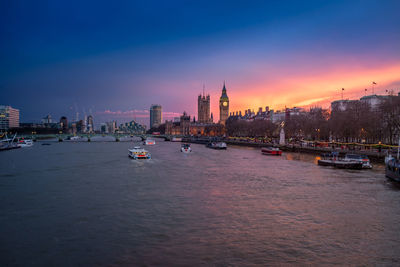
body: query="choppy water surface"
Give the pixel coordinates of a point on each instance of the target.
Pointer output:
(85, 204)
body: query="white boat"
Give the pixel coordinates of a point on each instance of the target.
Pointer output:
(149, 142)
(24, 142)
(74, 138)
(176, 139)
(185, 148)
(217, 145)
(366, 164)
(139, 153)
(392, 169)
(8, 144)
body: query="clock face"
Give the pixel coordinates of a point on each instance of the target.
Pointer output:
(225, 103)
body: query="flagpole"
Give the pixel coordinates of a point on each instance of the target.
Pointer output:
(373, 87)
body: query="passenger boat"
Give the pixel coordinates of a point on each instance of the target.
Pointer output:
(176, 139)
(366, 164)
(185, 148)
(392, 169)
(74, 138)
(21, 142)
(274, 151)
(333, 160)
(139, 153)
(149, 142)
(8, 144)
(217, 145)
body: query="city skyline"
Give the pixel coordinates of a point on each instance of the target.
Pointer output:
(289, 54)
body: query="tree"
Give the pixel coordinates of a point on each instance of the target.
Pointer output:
(390, 111)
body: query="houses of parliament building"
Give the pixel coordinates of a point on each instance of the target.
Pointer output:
(205, 124)
(203, 108)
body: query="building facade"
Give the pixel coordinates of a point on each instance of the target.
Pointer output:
(47, 119)
(64, 124)
(155, 115)
(187, 127)
(90, 124)
(132, 127)
(9, 118)
(203, 109)
(223, 106)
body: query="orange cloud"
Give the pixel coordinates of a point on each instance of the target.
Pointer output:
(320, 87)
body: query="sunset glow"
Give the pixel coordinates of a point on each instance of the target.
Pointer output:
(269, 54)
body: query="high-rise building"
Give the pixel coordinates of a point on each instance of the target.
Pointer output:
(64, 123)
(185, 124)
(80, 126)
(223, 106)
(155, 115)
(89, 124)
(9, 117)
(47, 119)
(84, 124)
(203, 109)
(111, 127)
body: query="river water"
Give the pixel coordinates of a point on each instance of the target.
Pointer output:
(88, 204)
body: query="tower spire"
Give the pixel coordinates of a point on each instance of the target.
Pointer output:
(204, 87)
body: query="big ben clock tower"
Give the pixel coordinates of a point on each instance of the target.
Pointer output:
(223, 106)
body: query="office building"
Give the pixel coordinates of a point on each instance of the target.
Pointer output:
(9, 118)
(155, 115)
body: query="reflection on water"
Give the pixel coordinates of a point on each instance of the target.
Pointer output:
(86, 203)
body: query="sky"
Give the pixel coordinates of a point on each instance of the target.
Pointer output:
(113, 59)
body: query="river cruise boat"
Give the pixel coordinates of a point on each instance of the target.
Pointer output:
(273, 151)
(139, 153)
(185, 148)
(22, 142)
(8, 144)
(366, 164)
(176, 139)
(334, 161)
(149, 142)
(217, 145)
(74, 138)
(392, 169)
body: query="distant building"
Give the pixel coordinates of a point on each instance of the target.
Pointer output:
(268, 114)
(103, 128)
(374, 100)
(84, 125)
(90, 124)
(132, 127)
(187, 127)
(155, 115)
(47, 119)
(203, 109)
(342, 105)
(64, 123)
(278, 116)
(223, 106)
(73, 128)
(111, 127)
(80, 126)
(9, 118)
